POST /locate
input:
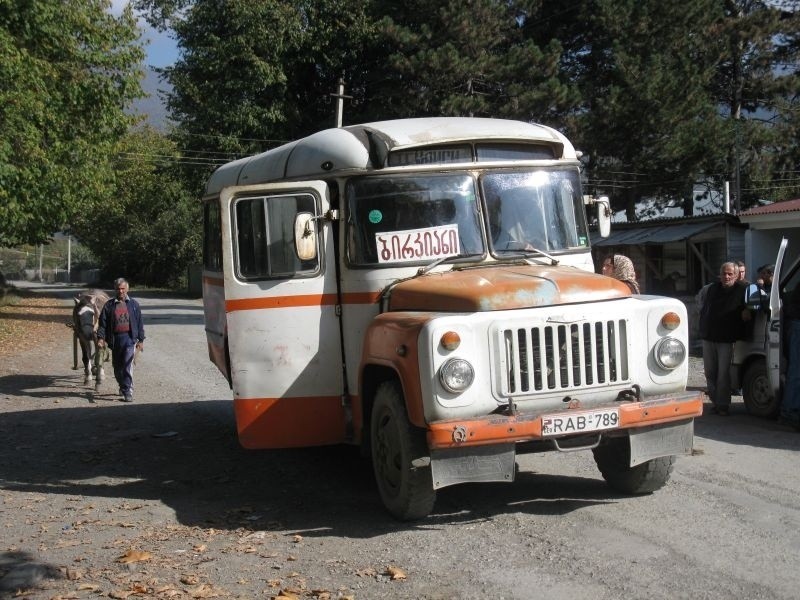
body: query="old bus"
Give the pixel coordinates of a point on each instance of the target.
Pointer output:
(424, 288)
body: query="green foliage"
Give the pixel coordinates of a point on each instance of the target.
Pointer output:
(255, 74)
(67, 70)
(758, 83)
(464, 58)
(149, 227)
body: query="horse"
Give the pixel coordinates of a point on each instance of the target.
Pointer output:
(85, 319)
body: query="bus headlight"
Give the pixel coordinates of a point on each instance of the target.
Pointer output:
(669, 353)
(456, 375)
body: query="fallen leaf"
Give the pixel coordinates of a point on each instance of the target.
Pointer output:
(290, 557)
(200, 548)
(90, 587)
(132, 556)
(204, 590)
(394, 573)
(274, 582)
(119, 594)
(297, 539)
(190, 579)
(368, 572)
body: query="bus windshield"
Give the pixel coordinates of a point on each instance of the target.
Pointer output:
(534, 210)
(412, 219)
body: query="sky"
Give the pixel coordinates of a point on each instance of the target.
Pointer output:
(160, 48)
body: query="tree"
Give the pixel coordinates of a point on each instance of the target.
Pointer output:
(647, 122)
(67, 71)
(758, 85)
(255, 74)
(467, 58)
(148, 229)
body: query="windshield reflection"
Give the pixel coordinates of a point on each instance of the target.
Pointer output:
(534, 210)
(413, 219)
(420, 219)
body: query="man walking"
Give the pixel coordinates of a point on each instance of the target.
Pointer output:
(722, 318)
(122, 329)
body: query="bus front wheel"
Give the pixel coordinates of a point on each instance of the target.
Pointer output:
(399, 454)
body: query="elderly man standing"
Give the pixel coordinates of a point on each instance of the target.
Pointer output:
(722, 321)
(122, 329)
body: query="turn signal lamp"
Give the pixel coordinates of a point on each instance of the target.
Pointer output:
(450, 340)
(670, 321)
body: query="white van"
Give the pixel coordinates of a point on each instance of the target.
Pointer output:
(759, 363)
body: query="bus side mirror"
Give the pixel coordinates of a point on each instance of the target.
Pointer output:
(305, 236)
(603, 213)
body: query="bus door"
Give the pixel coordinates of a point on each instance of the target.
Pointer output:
(283, 329)
(774, 347)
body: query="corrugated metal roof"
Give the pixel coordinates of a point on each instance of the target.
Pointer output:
(644, 236)
(774, 208)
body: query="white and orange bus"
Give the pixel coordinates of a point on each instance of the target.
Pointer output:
(425, 288)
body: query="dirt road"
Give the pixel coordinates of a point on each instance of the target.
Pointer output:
(155, 499)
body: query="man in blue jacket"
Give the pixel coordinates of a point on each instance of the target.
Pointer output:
(122, 329)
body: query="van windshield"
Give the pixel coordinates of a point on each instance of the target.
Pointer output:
(534, 210)
(412, 219)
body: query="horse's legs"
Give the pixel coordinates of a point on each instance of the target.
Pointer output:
(99, 373)
(74, 350)
(86, 354)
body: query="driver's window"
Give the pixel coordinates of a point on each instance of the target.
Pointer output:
(265, 236)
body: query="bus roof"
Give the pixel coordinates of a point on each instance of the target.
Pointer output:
(366, 146)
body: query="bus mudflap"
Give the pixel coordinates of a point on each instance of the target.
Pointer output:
(495, 462)
(656, 441)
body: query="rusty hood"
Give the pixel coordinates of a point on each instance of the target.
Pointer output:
(503, 288)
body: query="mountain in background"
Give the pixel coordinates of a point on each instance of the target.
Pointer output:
(153, 106)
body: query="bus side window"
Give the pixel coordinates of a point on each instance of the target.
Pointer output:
(212, 240)
(265, 237)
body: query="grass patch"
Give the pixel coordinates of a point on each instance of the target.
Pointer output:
(29, 319)
(9, 295)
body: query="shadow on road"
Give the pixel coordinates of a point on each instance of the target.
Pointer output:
(186, 455)
(741, 428)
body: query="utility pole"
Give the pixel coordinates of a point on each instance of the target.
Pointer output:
(69, 258)
(340, 98)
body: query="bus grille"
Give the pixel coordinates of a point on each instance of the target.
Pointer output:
(565, 356)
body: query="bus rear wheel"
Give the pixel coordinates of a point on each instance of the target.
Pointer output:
(400, 457)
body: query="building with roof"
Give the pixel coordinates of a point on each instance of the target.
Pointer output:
(766, 226)
(675, 256)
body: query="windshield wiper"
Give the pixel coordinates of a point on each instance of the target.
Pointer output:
(527, 252)
(438, 261)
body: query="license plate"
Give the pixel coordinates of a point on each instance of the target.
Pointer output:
(579, 422)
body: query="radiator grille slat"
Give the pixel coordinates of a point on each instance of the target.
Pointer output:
(564, 356)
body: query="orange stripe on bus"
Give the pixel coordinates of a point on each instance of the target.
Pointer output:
(295, 301)
(289, 422)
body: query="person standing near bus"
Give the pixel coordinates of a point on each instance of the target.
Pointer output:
(122, 329)
(620, 267)
(722, 321)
